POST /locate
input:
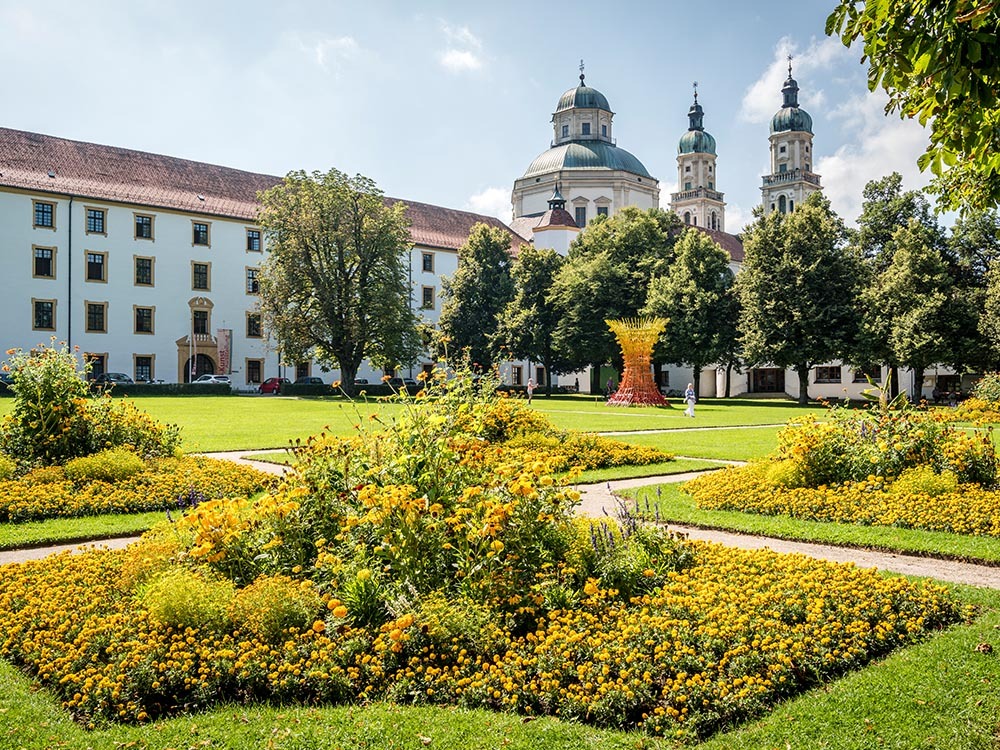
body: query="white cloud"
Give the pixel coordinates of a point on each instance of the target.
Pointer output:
(457, 60)
(463, 52)
(737, 217)
(462, 37)
(335, 50)
(761, 98)
(877, 146)
(493, 201)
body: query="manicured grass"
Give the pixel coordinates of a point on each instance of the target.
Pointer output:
(215, 423)
(938, 695)
(736, 444)
(66, 530)
(586, 414)
(680, 508)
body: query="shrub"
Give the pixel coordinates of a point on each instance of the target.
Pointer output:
(272, 606)
(44, 475)
(54, 419)
(107, 466)
(7, 467)
(988, 388)
(180, 598)
(113, 423)
(883, 442)
(924, 480)
(47, 423)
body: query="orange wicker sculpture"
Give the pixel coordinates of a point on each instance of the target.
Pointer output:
(637, 337)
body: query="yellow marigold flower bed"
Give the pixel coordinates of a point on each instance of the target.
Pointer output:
(977, 410)
(719, 642)
(877, 501)
(47, 493)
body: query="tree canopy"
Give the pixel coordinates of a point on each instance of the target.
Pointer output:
(910, 304)
(940, 63)
(526, 326)
(477, 293)
(697, 297)
(798, 290)
(607, 276)
(334, 285)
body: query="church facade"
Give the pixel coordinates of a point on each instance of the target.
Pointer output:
(585, 171)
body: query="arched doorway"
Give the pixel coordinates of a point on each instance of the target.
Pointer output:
(203, 365)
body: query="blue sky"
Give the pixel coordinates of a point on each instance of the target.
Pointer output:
(444, 102)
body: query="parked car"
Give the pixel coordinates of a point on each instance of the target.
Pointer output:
(309, 380)
(272, 385)
(113, 378)
(360, 381)
(5, 381)
(206, 378)
(402, 382)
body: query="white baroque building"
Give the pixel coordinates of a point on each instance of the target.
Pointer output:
(148, 264)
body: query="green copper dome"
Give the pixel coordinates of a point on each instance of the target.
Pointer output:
(696, 142)
(586, 155)
(791, 118)
(583, 97)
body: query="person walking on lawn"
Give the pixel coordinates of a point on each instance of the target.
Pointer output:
(690, 399)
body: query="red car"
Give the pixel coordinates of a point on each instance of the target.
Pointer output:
(272, 385)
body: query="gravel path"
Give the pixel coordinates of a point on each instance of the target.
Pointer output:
(597, 500)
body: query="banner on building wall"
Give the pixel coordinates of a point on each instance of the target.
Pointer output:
(225, 339)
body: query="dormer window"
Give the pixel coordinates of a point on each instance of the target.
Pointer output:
(604, 131)
(565, 131)
(586, 128)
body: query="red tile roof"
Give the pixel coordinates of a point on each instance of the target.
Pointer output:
(728, 242)
(122, 175)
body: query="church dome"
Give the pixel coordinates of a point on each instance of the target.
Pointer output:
(696, 142)
(586, 155)
(583, 97)
(791, 118)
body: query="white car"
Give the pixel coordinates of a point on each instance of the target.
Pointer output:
(206, 378)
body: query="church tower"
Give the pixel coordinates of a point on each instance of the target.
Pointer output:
(697, 201)
(791, 180)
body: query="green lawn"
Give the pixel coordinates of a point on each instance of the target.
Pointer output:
(937, 695)
(83, 529)
(215, 423)
(680, 508)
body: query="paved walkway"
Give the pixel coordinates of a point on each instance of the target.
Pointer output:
(598, 500)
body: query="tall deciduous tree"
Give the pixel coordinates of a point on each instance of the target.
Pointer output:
(911, 304)
(527, 324)
(798, 290)
(477, 293)
(697, 297)
(334, 285)
(606, 276)
(940, 63)
(989, 321)
(887, 208)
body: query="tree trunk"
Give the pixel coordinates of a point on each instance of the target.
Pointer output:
(548, 378)
(348, 372)
(729, 373)
(918, 384)
(696, 381)
(595, 378)
(802, 369)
